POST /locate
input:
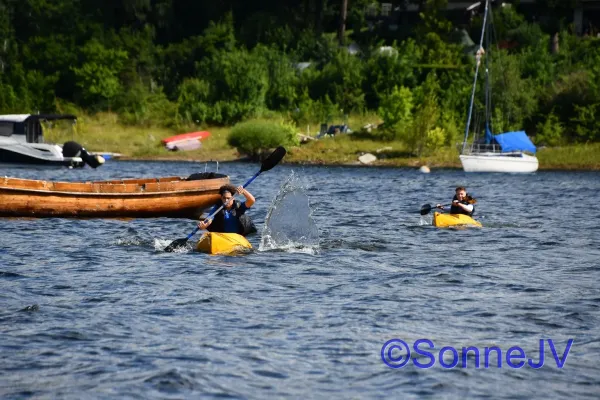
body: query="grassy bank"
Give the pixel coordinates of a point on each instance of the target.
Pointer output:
(102, 132)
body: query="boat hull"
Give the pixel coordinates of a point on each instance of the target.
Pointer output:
(171, 197)
(20, 154)
(185, 141)
(448, 220)
(495, 162)
(222, 243)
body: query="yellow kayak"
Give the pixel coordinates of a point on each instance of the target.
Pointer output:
(222, 243)
(446, 220)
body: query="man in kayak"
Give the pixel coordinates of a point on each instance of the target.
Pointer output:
(232, 217)
(462, 203)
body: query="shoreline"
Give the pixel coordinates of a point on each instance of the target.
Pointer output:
(409, 164)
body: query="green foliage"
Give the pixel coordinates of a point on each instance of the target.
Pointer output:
(283, 79)
(342, 81)
(550, 131)
(219, 37)
(425, 136)
(140, 106)
(255, 137)
(506, 19)
(385, 70)
(529, 35)
(587, 122)
(192, 102)
(9, 100)
(98, 76)
(450, 127)
(237, 89)
(432, 19)
(313, 111)
(179, 63)
(513, 96)
(396, 111)
(310, 47)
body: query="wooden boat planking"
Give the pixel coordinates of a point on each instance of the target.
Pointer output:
(172, 197)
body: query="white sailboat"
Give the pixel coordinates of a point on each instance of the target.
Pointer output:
(505, 152)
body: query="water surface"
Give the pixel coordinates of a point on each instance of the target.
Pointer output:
(91, 308)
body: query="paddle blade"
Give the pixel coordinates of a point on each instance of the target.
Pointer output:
(425, 209)
(176, 245)
(273, 159)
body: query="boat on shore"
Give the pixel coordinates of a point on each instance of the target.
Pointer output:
(22, 142)
(171, 197)
(185, 141)
(441, 220)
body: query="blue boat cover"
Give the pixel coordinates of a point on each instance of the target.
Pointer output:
(515, 141)
(488, 134)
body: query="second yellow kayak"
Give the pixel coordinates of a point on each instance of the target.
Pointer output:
(222, 243)
(447, 220)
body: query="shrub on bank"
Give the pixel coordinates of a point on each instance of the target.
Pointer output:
(255, 137)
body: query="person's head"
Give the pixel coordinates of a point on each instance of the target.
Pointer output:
(227, 192)
(461, 193)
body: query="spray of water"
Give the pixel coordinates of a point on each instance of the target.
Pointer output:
(289, 225)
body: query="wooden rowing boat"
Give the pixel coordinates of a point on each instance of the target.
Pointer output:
(172, 197)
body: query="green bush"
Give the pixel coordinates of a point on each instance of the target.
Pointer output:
(396, 111)
(587, 122)
(550, 131)
(140, 106)
(424, 135)
(389, 69)
(283, 79)
(237, 90)
(314, 111)
(192, 102)
(254, 138)
(98, 75)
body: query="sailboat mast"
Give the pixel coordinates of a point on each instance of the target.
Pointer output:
(478, 56)
(488, 92)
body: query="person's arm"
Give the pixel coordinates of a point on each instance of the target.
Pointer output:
(467, 207)
(203, 224)
(249, 198)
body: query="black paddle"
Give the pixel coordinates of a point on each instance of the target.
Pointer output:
(425, 209)
(266, 165)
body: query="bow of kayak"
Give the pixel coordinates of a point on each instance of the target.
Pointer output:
(448, 220)
(222, 243)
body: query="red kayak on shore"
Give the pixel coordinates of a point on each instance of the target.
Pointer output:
(185, 141)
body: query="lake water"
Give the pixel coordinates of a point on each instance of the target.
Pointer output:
(94, 309)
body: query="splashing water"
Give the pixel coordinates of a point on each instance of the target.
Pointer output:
(426, 220)
(289, 225)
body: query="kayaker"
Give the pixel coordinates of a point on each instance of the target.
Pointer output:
(232, 218)
(462, 203)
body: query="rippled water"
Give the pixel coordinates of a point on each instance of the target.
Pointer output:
(90, 308)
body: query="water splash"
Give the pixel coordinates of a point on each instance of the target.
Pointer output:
(131, 237)
(426, 220)
(161, 245)
(289, 225)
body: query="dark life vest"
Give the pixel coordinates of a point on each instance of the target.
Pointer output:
(245, 226)
(459, 210)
